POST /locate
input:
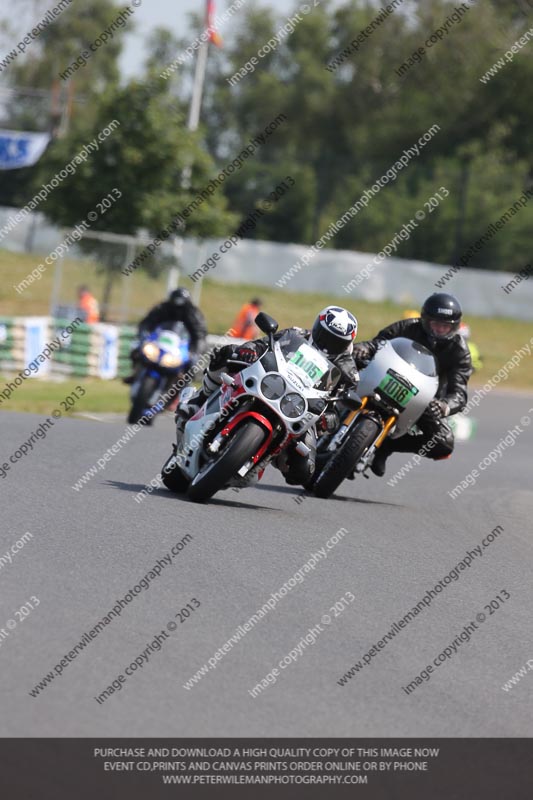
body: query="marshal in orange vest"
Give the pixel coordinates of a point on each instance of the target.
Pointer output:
(244, 326)
(88, 305)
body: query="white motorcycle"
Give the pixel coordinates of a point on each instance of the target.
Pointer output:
(253, 417)
(395, 389)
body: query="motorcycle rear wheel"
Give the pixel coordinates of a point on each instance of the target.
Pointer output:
(244, 443)
(344, 460)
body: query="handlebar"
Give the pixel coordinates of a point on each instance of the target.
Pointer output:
(241, 363)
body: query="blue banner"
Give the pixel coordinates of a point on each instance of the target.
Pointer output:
(21, 148)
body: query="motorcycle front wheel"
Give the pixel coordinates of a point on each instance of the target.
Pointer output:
(172, 476)
(344, 460)
(140, 402)
(244, 443)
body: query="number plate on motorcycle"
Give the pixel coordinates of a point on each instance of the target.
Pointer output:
(169, 338)
(396, 390)
(311, 364)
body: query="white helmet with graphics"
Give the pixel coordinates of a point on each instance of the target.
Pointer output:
(334, 330)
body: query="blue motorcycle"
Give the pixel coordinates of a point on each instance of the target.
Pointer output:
(162, 355)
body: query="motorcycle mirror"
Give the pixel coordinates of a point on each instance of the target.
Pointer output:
(266, 323)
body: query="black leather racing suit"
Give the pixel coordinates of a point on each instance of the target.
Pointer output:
(188, 313)
(454, 367)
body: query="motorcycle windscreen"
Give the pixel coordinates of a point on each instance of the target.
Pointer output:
(173, 340)
(178, 327)
(416, 355)
(170, 341)
(311, 366)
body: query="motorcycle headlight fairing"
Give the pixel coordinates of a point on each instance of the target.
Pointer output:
(169, 360)
(151, 351)
(293, 405)
(273, 387)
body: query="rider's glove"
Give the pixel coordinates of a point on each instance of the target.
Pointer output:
(246, 354)
(220, 357)
(438, 409)
(363, 353)
(351, 377)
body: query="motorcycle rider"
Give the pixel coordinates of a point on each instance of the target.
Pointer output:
(177, 308)
(333, 333)
(438, 330)
(464, 330)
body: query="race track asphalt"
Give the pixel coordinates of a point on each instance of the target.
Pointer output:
(90, 547)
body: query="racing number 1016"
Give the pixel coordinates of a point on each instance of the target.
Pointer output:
(395, 390)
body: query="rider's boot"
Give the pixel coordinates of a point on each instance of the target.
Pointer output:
(410, 443)
(188, 409)
(192, 402)
(379, 461)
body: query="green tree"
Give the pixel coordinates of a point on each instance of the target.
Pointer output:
(348, 125)
(61, 42)
(40, 99)
(143, 158)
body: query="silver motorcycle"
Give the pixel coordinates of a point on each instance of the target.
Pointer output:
(395, 389)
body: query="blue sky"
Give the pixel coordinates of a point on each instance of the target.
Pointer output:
(149, 14)
(173, 15)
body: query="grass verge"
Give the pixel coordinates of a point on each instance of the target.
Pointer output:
(497, 338)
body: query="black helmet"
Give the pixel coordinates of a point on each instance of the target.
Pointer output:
(334, 330)
(441, 307)
(179, 297)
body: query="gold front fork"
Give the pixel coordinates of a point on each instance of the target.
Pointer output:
(352, 414)
(385, 432)
(386, 428)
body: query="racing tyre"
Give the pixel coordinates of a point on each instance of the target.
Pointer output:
(173, 478)
(140, 403)
(244, 443)
(344, 460)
